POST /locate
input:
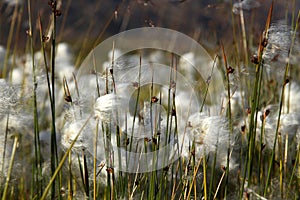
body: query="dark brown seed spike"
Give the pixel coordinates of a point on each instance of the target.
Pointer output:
(154, 99)
(254, 59)
(230, 70)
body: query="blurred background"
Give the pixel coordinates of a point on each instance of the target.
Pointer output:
(85, 23)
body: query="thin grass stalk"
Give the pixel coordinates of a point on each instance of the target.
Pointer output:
(38, 162)
(43, 39)
(184, 190)
(293, 14)
(96, 134)
(260, 156)
(212, 179)
(107, 137)
(172, 112)
(260, 80)
(277, 129)
(244, 37)
(136, 103)
(252, 126)
(296, 165)
(117, 124)
(95, 161)
(254, 105)
(135, 185)
(154, 131)
(251, 131)
(285, 157)
(70, 181)
(62, 161)
(97, 78)
(12, 193)
(32, 193)
(11, 164)
(220, 183)
(154, 177)
(175, 186)
(228, 71)
(280, 164)
(54, 155)
(285, 81)
(195, 176)
(133, 123)
(168, 119)
(153, 173)
(105, 143)
(86, 175)
(21, 189)
(174, 182)
(176, 120)
(208, 83)
(298, 149)
(173, 78)
(168, 129)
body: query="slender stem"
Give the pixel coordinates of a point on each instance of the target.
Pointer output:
(38, 162)
(16, 141)
(285, 81)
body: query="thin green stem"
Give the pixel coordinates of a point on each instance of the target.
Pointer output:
(38, 162)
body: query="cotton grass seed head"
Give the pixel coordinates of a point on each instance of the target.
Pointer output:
(70, 131)
(105, 107)
(279, 43)
(209, 132)
(289, 125)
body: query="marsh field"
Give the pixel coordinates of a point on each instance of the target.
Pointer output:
(149, 99)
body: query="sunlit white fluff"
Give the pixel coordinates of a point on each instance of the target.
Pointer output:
(64, 65)
(292, 97)
(20, 126)
(209, 132)
(210, 135)
(70, 131)
(15, 121)
(105, 107)
(86, 129)
(278, 49)
(279, 42)
(289, 124)
(114, 54)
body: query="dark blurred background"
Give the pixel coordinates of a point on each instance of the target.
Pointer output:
(84, 23)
